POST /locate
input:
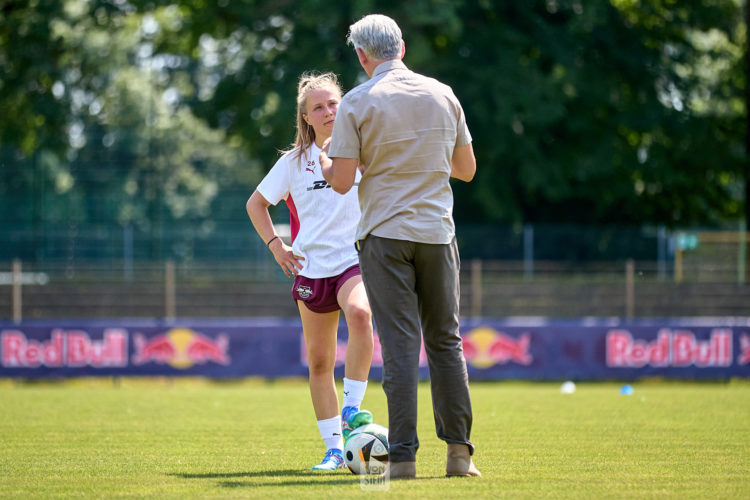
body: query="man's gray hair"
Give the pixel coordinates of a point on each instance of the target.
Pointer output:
(377, 35)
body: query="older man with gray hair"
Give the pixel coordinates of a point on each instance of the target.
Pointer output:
(408, 135)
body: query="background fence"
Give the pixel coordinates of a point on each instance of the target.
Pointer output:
(226, 271)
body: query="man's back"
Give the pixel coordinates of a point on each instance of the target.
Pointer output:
(403, 126)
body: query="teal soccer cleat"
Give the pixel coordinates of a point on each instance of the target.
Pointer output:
(351, 418)
(333, 460)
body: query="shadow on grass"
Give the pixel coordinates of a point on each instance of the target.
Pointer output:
(296, 478)
(225, 475)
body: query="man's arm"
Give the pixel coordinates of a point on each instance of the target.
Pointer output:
(463, 163)
(338, 172)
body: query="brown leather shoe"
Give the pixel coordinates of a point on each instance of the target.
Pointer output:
(459, 462)
(401, 470)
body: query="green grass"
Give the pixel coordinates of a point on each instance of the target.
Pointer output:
(257, 439)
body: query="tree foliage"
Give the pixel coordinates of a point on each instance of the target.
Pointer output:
(582, 111)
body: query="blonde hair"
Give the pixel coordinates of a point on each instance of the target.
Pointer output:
(305, 133)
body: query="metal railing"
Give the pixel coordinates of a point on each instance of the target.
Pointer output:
(490, 288)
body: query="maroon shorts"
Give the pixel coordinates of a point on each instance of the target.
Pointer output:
(319, 295)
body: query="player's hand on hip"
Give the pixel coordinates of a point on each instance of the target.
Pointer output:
(291, 264)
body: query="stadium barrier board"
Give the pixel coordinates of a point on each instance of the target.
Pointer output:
(495, 349)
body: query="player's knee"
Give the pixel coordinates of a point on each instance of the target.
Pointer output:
(359, 319)
(320, 365)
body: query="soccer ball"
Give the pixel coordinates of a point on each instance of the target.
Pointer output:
(366, 449)
(378, 430)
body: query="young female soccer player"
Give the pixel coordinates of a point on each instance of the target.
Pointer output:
(323, 261)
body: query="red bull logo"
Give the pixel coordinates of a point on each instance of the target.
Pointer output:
(65, 348)
(485, 347)
(180, 348)
(676, 348)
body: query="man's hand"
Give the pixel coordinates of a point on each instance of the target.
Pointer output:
(325, 161)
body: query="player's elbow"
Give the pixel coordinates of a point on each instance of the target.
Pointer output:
(252, 204)
(255, 204)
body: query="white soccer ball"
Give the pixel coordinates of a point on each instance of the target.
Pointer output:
(568, 387)
(378, 430)
(366, 449)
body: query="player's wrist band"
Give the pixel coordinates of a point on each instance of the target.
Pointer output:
(269, 241)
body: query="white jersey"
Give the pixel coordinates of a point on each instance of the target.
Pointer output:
(327, 220)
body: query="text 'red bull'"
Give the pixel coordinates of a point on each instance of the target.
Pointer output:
(65, 348)
(678, 348)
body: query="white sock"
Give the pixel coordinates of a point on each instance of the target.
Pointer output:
(330, 431)
(354, 392)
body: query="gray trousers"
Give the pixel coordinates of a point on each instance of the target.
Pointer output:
(412, 287)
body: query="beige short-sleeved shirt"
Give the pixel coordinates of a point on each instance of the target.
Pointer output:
(403, 127)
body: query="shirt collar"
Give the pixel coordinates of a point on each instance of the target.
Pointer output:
(388, 66)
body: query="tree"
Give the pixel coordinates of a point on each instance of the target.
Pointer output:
(587, 112)
(618, 112)
(123, 146)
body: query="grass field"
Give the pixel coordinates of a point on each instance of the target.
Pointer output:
(258, 439)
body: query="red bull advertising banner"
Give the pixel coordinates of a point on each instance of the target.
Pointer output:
(527, 348)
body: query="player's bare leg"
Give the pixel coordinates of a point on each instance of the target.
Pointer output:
(352, 299)
(320, 341)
